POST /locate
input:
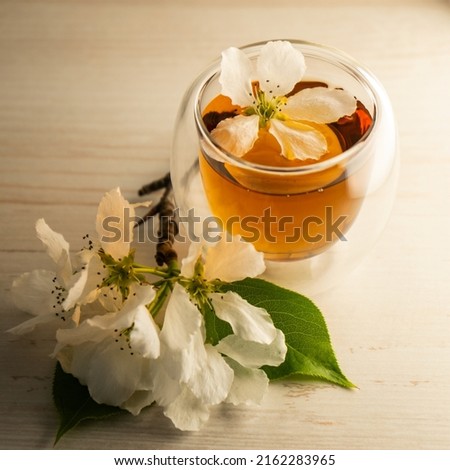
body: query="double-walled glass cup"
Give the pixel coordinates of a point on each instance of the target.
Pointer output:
(312, 220)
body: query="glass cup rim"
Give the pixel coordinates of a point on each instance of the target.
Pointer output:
(310, 49)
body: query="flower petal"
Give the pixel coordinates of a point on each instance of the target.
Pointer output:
(57, 249)
(247, 321)
(252, 354)
(139, 400)
(165, 387)
(111, 300)
(32, 292)
(232, 260)
(77, 290)
(114, 224)
(237, 135)
(187, 412)
(29, 325)
(298, 140)
(93, 330)
(249, 385)
(182, 320)
(111, 374)
(181, 336)
(192, 358)
(212, 382)
(188, 263)
(76, 315)
(144, 295)
(102, 356)
(236, 76)
(83, 288)
(100, 327)
(279, 67)
(144, 337)
(320, 104)
(141, 204)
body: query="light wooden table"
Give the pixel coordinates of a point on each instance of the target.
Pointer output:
(88, 96)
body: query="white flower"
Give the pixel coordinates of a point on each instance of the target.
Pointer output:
(260, 89)
(113, 353)
(107, 274)
(43, 292)
(193, 376)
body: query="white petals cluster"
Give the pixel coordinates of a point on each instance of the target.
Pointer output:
(42, 292)
(109, 338)
(206, 374)
(260, 88)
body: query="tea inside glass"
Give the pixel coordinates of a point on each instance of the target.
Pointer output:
(285, 213)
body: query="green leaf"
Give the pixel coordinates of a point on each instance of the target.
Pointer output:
(309, 353)
(215, 328)
(74, 404)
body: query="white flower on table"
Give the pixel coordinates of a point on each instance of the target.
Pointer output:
(195, 374)
(108, 274)
(260, 89)
(42, 292)
(113, 353)
(211, 345)
(103, 270)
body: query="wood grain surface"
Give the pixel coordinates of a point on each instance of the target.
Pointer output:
(89, 91)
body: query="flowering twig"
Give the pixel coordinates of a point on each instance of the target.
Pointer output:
(168, 227)
(160, 183)
(220, 338)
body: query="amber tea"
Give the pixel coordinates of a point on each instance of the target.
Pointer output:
(287, 214)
